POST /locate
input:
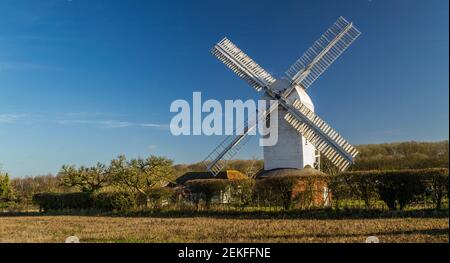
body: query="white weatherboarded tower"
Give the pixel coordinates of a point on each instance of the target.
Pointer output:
(292, 149)
(302, 134)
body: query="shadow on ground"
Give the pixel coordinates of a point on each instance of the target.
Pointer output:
(293, 214)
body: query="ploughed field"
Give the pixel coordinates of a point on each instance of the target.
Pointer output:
(209, 229)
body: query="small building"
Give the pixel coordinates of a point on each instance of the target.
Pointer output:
(203, 179)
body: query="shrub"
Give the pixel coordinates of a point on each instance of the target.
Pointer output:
(5, 189)
(106, 201)
(161, 195)
(6, 204)
(396, 188)
(60, 201)
(436, 183)
(355, 185)
(340, 190)
(242, 192)
(110, 201)
(276, 190)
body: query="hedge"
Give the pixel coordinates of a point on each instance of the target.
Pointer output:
(60, 201)
(438, 185)
(355, 185)
(109, 201)
(241, 192)
(289, 191)
(106, 201)
(276, 190)
(396, 188)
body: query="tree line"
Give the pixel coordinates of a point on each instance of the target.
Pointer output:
(146, 176)
(392, 189)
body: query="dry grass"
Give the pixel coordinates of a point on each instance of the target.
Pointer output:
(204, 229)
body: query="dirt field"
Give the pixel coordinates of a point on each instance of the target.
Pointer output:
(203, 229)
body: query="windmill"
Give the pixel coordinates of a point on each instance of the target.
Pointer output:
(302, 135)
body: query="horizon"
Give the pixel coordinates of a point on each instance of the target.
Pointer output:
(234, 159)
(85, 81)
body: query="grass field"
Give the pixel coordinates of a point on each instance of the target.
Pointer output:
(206, 229)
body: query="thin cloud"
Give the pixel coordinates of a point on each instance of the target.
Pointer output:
(87, 114)
(108, 123)
(154, 125)
(115, 124)
(10, 118)
(99, 123)
(74, 122)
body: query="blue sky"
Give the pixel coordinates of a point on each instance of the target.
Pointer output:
(83, 81)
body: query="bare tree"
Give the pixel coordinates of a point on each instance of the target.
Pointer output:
(88, 179)
(143, 175)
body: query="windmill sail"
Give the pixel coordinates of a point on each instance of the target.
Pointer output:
(323, 53)
(330, 144)
(242, 64)
(303, 73)
(229, 147)
(226, 150)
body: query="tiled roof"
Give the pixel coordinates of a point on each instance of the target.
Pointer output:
(228, 174)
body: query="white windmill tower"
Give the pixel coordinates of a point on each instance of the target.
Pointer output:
(301, 133)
